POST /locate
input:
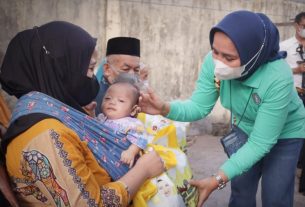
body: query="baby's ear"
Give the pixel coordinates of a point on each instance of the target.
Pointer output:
(135, 110)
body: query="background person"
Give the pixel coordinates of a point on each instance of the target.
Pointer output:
(295, 48)
(122, 56)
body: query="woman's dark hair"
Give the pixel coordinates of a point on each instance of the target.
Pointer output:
(124, 78)
(298, 17)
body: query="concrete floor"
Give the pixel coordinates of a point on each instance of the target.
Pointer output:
(206, 155)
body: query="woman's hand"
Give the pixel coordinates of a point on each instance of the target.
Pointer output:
(149, 165)
(150, 103)
(205, 187)
(90, 108)
(152, 163)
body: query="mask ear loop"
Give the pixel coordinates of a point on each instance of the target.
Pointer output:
(256, 56)
(43, 46)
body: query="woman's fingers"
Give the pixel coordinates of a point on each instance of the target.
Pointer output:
(150, 102)
(131, 163)
(152, 162)
(200, 200)
(90, 108)
(150, 90)
(195, 183)
(203, 191)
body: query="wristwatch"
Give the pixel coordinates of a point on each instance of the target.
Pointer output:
(221, 182)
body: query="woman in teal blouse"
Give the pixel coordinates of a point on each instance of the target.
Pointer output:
(256, 85)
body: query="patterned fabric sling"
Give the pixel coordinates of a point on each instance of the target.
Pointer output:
(105, 143)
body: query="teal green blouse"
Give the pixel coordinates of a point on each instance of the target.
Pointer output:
(274, 110)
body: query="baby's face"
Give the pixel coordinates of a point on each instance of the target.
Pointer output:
(118, 101)
(164, 188)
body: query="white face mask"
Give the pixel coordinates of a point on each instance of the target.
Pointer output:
(302, 33)
(224, 72)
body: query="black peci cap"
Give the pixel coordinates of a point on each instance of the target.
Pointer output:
(123, 46)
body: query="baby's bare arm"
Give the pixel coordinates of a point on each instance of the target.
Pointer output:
(128, 155)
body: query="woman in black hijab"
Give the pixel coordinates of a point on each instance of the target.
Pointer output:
(46, 160)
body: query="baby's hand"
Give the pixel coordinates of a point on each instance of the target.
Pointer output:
(127, 158)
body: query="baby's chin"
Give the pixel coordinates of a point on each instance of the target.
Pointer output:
(115, 116)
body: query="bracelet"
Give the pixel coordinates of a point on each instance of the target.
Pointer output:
(126, 188)
(220, 181)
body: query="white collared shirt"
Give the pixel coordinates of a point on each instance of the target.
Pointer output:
(290, 45)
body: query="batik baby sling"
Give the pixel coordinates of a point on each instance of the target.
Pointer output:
(107, 149)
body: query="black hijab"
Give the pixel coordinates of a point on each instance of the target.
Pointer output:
(52, 59)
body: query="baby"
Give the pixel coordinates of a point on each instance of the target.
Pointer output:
(119, 107)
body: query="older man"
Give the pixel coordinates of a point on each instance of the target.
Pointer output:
(122, 56)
